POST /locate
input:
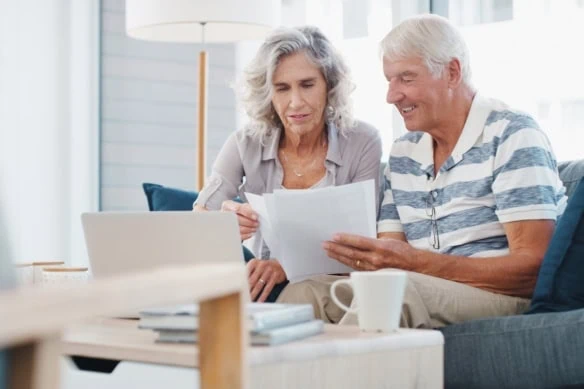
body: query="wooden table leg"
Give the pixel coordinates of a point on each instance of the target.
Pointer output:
(35, 365)
(223, 343)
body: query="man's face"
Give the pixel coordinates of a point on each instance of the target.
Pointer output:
(421, 99)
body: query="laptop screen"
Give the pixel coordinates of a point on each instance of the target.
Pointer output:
(122, 242)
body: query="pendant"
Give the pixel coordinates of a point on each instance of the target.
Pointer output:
(298, 174)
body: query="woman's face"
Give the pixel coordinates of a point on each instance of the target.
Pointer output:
(300, 94)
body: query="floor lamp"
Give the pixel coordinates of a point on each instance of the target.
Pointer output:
(201, 21)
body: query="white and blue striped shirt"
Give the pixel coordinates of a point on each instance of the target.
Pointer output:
(501, 170)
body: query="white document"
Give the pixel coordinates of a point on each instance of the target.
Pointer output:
(295, 223)
(258, 204)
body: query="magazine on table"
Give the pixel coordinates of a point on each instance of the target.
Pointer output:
(259, 316)
(268, 337)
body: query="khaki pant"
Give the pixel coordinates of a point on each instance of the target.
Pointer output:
(429, 302)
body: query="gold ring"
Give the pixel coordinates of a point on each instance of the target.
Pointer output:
(262, 281)
(358, 263)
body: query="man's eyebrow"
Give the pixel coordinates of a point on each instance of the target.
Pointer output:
(408, 73)
(405, 73)
(311, 79)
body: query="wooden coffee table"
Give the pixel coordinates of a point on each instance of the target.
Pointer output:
(122, 356)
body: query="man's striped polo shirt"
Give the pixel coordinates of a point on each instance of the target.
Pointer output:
(501, 170)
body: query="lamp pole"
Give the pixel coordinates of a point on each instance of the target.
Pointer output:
(202, 119)
(217, 21)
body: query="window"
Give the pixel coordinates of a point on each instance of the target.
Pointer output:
(360, 48)
(467, 12)
(524, 52)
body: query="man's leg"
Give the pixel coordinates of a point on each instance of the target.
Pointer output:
(316, 291)
(522, 352)
(435, 302)
(431, 302)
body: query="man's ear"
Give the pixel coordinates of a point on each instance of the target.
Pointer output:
(454, 73)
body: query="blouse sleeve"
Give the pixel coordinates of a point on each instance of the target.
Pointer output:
(226, 176)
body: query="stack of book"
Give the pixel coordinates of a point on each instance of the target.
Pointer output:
(269, 324)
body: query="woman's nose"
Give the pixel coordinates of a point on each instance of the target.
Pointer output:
(296, 99)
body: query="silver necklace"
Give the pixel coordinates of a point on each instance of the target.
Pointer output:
(296, 172)
(306, 168)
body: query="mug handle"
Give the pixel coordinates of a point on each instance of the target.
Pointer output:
(335, 298)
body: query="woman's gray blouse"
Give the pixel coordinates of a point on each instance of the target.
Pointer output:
(244, 164)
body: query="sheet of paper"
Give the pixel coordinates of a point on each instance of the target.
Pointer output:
(258, 204)
(307, 218)
(371, 207)
(274, 223)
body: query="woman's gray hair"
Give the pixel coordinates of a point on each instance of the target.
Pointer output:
(257, 88)
(432, 38)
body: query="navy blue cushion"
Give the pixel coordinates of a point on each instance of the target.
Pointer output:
(3, 370)
(560, 284)
(162, 198)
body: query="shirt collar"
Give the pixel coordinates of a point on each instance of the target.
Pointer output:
(472, 130)
(270, 149)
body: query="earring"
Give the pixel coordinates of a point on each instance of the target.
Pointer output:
(330, 111)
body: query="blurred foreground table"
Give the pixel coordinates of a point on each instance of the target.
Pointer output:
(114, 353)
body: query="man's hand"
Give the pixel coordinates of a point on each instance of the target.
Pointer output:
(246, 217)
(263, 275)
(513, 274)
(363, 253)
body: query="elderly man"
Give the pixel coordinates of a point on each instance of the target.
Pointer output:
(471, 195)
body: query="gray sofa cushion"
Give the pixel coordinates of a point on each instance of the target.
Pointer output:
(520, 352)
(570, 173)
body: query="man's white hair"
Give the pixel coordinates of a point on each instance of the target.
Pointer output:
(433, 39)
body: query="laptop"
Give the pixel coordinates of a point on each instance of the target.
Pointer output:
(125, 242)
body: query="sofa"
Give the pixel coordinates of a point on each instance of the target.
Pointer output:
(543, 348)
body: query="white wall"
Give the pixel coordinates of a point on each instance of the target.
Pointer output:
(149, 111)
(47, 136)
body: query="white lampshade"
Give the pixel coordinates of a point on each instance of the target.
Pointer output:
(181, 20)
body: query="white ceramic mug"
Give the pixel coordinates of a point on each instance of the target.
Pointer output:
(65, 275)
(377, 298)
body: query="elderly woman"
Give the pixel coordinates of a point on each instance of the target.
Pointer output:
(301, 135)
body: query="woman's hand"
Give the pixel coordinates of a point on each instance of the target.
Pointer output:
(247, 218)
(263, 275)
